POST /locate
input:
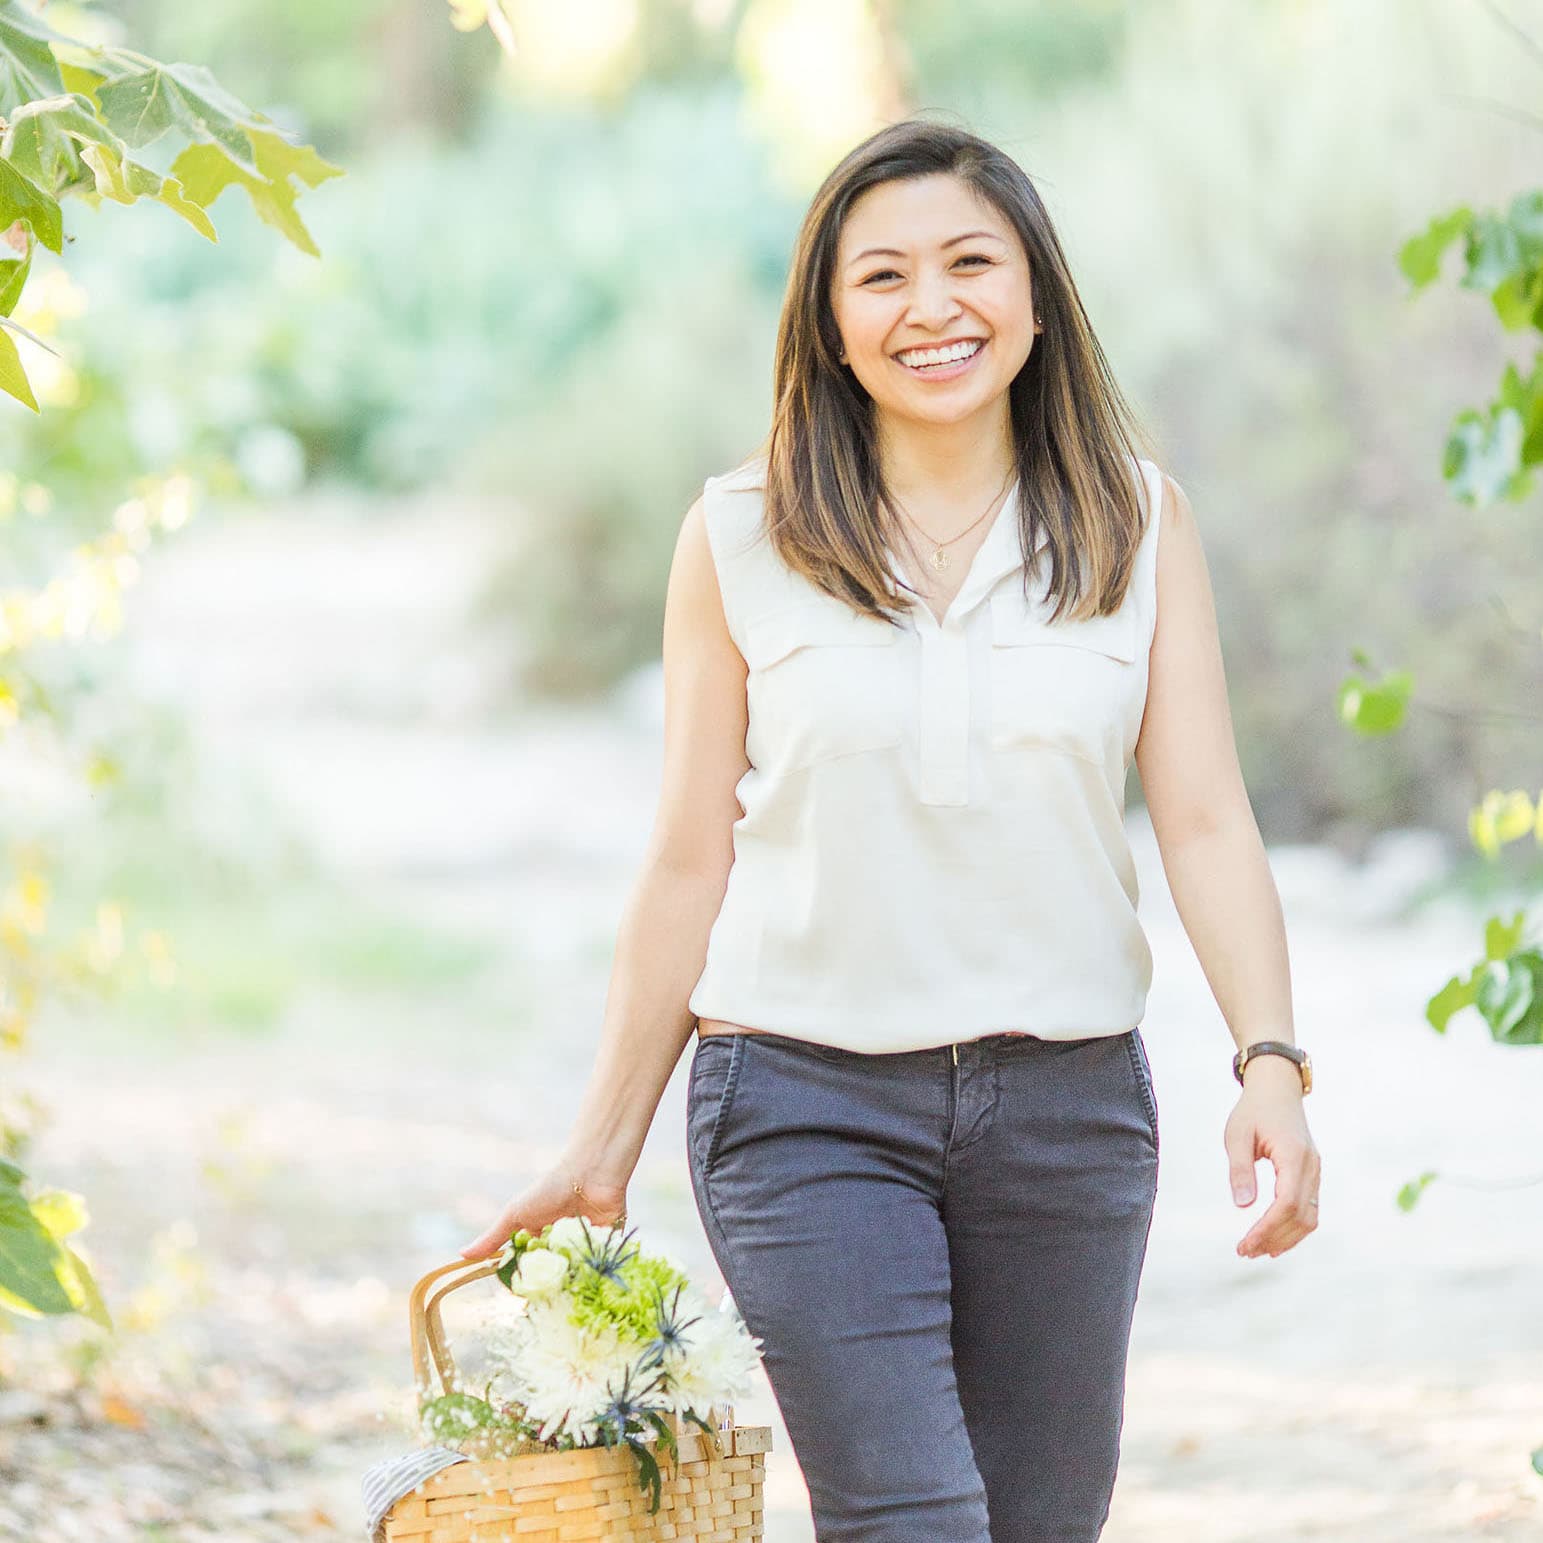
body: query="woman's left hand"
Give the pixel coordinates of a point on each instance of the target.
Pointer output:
(1268, 1121)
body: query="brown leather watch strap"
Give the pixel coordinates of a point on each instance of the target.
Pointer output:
(1275, 1047)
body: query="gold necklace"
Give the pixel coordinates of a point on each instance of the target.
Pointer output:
(939, 557)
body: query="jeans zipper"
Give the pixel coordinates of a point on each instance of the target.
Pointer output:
(955, 1049)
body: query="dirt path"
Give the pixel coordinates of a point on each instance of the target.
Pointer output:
(261, 1207)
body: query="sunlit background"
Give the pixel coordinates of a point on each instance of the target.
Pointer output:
(351, 734)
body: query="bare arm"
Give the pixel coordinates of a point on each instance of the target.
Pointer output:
(1220, 876)
(661, 943)
(1211, 848)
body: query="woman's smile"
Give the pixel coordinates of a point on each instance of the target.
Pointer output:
(951, 370)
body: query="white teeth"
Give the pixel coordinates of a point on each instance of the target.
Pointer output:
(939, 355)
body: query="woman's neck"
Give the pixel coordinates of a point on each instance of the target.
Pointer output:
(946, 466)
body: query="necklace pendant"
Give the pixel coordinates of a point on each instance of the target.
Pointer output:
(940, 559)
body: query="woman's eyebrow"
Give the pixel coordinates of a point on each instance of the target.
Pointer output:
(889, 251)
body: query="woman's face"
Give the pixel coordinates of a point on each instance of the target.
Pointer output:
(925, 262)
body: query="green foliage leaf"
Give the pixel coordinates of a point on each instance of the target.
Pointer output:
(1420, 256)
(205, 174)
(61, 1211)
(1502, 938)
(1498, 818)
(1374, 707)
(142, 102)
(13, 279)
(82, 1288)
(13, 378)
(124, 180)
(28, 69)
(1510, 998)
(21, 199)
(1482, 461)
(1506, 987)
(1494, 251)
(81, 79)
(29, 1276)
(1409, 1194)
(1453, 997)
(40, 140)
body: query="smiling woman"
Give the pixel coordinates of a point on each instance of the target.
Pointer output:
(912, 649)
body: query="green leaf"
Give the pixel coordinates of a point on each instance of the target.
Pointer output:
(61, 1212)
(141, 103)
(1409, 1194)
(1482, 461)
(1453, 997)
(205, 174)
(124, 181)
(1494, 253)
(82, 1288)
(40, 141)
(1502, 938)
(28, 68)
(13, 378)
(21, 199)
(13, 279)
(1420, 256)
(1510, 998)
(1374, 708)
(81, 79)
(29, 1278)
(1517, 297)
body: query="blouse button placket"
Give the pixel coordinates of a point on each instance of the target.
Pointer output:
(944, 717)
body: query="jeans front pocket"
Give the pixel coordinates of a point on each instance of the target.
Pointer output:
(1142, 1067)
(715, 1071)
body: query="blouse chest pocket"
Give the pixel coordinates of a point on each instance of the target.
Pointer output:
(822, 682)
(1066, 686)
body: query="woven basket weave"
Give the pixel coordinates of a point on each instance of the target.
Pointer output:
(712, 1495)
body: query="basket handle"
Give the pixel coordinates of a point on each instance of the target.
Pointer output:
(425, 1327)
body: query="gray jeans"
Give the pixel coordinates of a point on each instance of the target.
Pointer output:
(941, 1258)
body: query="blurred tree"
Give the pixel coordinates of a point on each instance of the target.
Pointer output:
(76, 115)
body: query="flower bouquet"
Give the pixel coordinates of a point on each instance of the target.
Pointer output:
(607, 1347)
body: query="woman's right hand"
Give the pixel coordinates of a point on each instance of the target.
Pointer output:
(550, 1197)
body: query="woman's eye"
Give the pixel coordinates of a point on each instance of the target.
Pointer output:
(889, 273)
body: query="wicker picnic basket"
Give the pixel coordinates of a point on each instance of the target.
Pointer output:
(712, 1495)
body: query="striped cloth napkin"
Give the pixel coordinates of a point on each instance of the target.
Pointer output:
(385, 1483)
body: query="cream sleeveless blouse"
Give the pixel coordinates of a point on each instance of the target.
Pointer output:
(933, 842)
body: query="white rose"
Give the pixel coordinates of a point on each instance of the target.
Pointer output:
(540, 1271)
(568, 1232)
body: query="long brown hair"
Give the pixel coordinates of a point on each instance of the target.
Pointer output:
(1072, 428)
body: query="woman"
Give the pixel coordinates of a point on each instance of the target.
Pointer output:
(889, 883)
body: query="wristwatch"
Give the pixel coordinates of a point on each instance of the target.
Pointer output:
(1275, 1047)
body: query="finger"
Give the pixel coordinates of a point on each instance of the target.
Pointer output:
(1277, 1245)
(490, 1241)
(1242, 1174)
(1288, 1220)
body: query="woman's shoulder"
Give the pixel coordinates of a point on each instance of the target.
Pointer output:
(732, 505)
(748, 477)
